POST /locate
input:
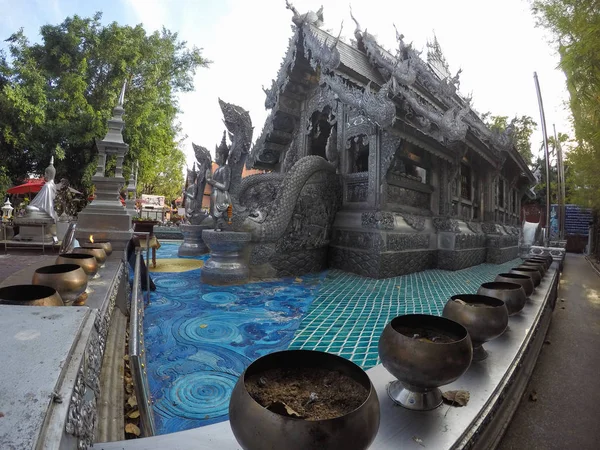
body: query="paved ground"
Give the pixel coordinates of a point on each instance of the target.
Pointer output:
(566, 379)
(16, 260)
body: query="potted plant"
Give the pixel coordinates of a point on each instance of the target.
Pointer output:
(176, 219)
(144, 225)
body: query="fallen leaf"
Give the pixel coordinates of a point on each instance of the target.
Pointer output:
(533, 396)
(283, 409)
(203, 325)
(134, 414)
(298, 280)
(126, 357)
(456, 398)
(132, 401)
(132, 428)
(1, 414)
(207, 417)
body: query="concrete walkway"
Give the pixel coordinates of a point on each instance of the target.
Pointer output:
(561, 407)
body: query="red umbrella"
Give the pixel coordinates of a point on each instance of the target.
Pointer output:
(32, 185)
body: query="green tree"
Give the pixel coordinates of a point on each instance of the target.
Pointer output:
(5, 184)
(522, 129)
(575, 27)
(58, 94)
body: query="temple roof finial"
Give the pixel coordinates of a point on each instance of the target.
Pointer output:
(311, 17)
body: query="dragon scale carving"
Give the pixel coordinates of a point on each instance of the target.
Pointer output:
(275, 222)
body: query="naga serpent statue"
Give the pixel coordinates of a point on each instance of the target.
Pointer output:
(269, 220)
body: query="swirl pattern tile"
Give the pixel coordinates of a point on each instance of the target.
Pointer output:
(199, 339)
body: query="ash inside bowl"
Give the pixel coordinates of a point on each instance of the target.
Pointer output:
(306, 393)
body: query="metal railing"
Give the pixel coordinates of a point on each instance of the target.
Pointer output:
(137, 353)
(147, 235)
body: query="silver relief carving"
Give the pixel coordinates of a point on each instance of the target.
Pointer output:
(81, 417)
(415, 222)
(320, 53)
(377, 107)
(278, 85)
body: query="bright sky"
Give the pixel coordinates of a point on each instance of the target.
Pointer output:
(495, 43)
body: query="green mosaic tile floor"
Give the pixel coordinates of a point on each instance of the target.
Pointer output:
(350, 311)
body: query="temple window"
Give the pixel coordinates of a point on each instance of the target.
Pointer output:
(319, 130)
(410, 163)
(501, 193)
(358, 153)
(465, 182)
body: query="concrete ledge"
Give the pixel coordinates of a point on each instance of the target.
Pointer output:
(496, 386)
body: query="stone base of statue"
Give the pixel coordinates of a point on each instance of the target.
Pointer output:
(36, 229)
(193, 244)
(228, 262)
(105, 218)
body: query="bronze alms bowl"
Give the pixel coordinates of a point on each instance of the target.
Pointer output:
(257, 427)
(537, 266)
(87, 262)
(531, 272)
(545, 258)
(544, 261)
(97, 253)
(104, 245)
(523, 280)
(534, 263)
(513, 295)
(30, 295)
(69, 280)
(423, 352)
(485, 318)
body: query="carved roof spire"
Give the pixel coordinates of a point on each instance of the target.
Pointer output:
(122, 95)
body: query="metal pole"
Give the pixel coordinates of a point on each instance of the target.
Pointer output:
(559, 200)
(543, 119)
(563, 192)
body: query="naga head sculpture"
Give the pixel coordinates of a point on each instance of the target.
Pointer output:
(239, 126)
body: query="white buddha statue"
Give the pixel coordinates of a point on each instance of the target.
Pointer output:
(42, 206)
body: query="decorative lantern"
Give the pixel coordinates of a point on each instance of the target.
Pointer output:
(7, 210)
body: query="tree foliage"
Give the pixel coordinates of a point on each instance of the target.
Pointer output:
(522, 129)
(575, 26)
(56, 96)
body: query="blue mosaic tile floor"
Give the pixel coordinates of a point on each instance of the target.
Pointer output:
(350, 311)
(200, 338)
